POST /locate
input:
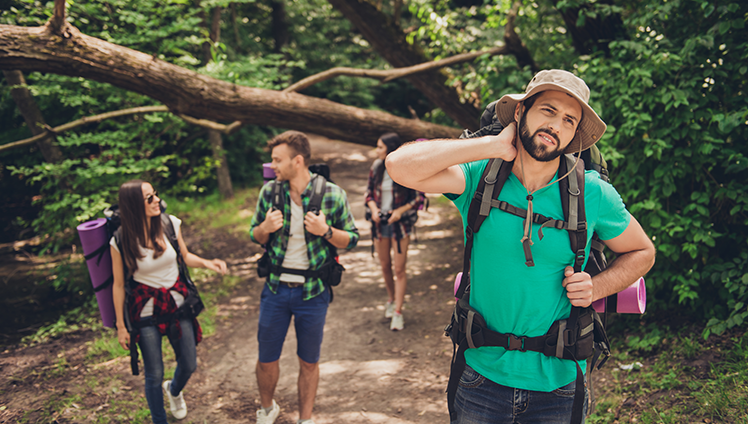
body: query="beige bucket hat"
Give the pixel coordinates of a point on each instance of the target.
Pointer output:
(591, 128)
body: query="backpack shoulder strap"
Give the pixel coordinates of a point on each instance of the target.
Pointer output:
(572, 203)
(318, 194)
(277, 195)
(490, 184)
(170, 232)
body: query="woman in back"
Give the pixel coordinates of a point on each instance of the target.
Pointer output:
(144, 259)
(393, 214)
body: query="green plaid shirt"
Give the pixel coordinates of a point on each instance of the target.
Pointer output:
(337, 213)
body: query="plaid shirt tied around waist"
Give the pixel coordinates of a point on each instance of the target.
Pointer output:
(163, 305)
(337, 213)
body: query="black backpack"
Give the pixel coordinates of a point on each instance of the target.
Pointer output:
(193, 303)
(331, 272)
(580, 336)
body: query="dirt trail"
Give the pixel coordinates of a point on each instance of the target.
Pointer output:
(367, 372)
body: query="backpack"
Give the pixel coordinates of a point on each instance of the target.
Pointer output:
(578, 337)
(193, 303)
(330, 273)
(410, 217)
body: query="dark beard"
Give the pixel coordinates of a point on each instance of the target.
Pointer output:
(536, 150)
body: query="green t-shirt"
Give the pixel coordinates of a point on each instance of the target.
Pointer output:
(522, 300)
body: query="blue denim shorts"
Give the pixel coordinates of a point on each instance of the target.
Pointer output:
(276, 311)
(481, 401)
(385, 231)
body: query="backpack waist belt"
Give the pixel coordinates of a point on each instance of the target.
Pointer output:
(307, 273)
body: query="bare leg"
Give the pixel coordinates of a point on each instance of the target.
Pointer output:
(267, 379)
(383, 246)
(308, 380)
(401, 279)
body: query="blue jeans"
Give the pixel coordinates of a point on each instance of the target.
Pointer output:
(275, 317)
(153, 364)
(481, 401)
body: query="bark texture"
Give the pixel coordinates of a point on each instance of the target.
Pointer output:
(189, 93)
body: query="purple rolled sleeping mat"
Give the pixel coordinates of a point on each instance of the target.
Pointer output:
(95, 241)
(267, 173)
(632, 300)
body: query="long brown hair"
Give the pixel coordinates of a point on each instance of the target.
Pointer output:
(132, 216)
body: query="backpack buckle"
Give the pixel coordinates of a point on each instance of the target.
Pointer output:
(515, 343)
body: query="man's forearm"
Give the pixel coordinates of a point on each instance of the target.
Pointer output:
(622, 272)
(261, 236)
(418, 161)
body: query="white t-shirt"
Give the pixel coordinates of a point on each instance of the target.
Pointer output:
(296, 253)
(159, 273)
(387, 196)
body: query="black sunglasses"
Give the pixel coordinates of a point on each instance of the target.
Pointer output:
(149, 198)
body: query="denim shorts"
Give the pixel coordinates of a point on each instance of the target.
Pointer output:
(276, 311)
(481, 401)
(385, 231)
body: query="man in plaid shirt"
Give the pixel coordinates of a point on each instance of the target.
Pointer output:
(298, 242)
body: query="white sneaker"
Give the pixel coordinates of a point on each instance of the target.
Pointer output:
(268, 417)
(389, 309)
(397, 322)
(176, 403)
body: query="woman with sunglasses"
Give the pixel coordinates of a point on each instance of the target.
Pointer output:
(156, 290)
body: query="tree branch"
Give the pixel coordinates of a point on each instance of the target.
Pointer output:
(49, 132)
(186, 92)
(515, 44)
(392, 74)
(80, 122)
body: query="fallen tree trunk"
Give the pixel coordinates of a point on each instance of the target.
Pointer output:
(185, 92)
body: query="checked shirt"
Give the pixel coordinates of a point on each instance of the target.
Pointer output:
(337, 212)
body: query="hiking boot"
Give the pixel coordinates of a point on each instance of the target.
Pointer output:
(398, 322)
(176, 403)
(389, 309)
(268, 417)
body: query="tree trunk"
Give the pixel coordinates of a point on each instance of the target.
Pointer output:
(32, 115)
(596, 33)
(216, 139)
(279, 25)
(235, 27)
(224, 179)
(390, 42)
(189, 93)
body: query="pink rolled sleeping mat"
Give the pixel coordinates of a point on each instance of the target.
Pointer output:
(632, 300)
(95, 242)
(457, 284)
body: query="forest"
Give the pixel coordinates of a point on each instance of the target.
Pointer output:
(185, 94)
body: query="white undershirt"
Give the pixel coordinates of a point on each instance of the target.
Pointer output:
(296, 252)
(387, 196)
(158, 273)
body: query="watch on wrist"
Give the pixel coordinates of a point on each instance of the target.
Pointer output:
(328, 234)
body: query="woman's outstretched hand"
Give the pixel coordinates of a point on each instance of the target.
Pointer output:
(217, 265)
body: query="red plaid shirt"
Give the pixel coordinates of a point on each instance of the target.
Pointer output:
(163, 304)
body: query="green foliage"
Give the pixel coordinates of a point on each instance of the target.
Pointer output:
(678, 153)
